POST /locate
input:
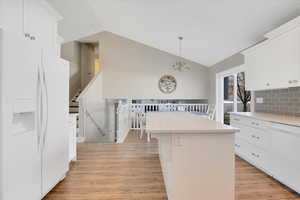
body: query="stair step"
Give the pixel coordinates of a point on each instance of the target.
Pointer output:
(73, 110)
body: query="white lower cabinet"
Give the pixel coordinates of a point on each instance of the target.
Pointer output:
(273, 148)
(72, 137)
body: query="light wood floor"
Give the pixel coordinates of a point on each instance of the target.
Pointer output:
(131, 171)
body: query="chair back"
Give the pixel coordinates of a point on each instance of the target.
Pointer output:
(211, 111)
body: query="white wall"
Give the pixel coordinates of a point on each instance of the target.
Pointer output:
(132, 70)
(231, 62)
(1, 13)
(89, 53)
(71, 52)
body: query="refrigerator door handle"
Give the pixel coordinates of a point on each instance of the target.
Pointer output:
(45, 106)
(38, 115)
(39, 109)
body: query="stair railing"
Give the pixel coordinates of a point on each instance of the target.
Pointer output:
(88, 102)
(100, 130)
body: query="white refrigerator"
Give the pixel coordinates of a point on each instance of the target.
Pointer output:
(33, 118)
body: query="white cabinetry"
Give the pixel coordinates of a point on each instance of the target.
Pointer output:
(72, 137)
(285, 160)
(11, 15)
(258, 68)
(30, 26)
(29, 18)
(275, 63)
(271, 147)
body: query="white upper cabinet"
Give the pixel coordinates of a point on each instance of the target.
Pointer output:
(34, 19)
(258, 68)
(17, 16)
(31, 18)
(11, 15)
(275, 63)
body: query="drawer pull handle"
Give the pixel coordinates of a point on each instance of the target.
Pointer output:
(256, 137)
(255, 155)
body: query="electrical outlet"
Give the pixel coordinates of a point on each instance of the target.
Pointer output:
(259, 100)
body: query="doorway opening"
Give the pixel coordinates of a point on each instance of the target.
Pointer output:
(232, 95)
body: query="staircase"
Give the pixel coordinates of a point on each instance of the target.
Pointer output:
(74, 104)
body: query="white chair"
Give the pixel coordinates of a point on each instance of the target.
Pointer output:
(143, 127)
(211, 112)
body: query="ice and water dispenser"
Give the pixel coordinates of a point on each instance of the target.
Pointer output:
(24, 115)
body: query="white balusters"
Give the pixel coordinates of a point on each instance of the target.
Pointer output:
(138, 110)
(123, 121)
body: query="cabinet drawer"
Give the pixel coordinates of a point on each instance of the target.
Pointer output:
(250, 122)
(254, 123)
(244, 130)
(254, 155)
(259, 157)
(259, 137)
(235, 119)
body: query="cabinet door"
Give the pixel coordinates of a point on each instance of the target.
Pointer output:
(284, 59)
(258, 68)
(32, 18)
(56, 151)
(285, 158)
(11, 16)
(21, 158)
(274, 63)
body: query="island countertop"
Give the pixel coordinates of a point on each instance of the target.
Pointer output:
(183, 123)
(270, 117)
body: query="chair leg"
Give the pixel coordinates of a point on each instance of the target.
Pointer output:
(148, 136)
(141, 133)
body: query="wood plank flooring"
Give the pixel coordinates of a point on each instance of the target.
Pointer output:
(131, 171)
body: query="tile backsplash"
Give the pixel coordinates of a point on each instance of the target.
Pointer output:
(281, 101)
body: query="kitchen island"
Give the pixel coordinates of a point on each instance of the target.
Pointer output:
(196, 154)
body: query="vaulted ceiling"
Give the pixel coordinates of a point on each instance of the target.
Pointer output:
(212, 29)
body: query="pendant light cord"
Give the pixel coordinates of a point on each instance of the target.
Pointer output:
(180, 47)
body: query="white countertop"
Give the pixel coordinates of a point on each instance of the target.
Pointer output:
(183, 123)
(277, 118)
